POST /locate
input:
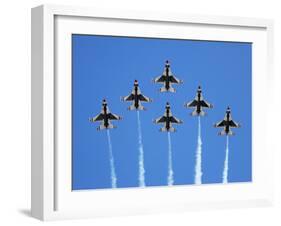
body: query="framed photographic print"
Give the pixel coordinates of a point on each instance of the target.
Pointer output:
(142, 112)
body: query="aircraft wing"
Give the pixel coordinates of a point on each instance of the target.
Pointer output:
(160, 79)
(130, 97)
(144, 98)
(113, 116)
(192, 103)
(173, 79)
(205, 104)
(99, 117)
(220, 124)
(161, 119)
(175, 120)
(233, 124)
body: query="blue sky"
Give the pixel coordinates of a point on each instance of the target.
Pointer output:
(106, 67)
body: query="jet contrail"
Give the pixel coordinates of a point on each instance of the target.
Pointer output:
(141, 155)
(170, 162)
(111, 160)
(198, 167)
(225, 169)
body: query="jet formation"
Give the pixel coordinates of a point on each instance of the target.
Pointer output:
(167, 79)
(227, 123)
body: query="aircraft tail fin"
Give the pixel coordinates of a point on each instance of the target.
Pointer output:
(172, 90)
(164, 89)
(230, 133)
(202, 113)
(131, 107)
(195, 113)
(164, 129)
(102, 127)
(141, 108)
(172, 129)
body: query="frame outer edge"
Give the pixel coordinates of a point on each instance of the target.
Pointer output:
(37, 112)
(271, 88)
(43, 204)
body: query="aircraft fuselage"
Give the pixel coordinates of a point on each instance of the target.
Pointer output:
(168, 121)
(167, 79)
(105, 117)
(227, 126)
(136, 98)
(198, 107)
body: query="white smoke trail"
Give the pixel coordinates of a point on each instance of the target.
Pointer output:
(141, 155)
(198, 167)
(170, 162)
(225, 169)
(111, 160)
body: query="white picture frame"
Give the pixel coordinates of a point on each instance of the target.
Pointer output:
(52, 197)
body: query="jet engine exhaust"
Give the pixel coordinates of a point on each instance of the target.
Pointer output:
(111, 161)
(225, 169)
(198, 163)
(170, 162)
(141, 154)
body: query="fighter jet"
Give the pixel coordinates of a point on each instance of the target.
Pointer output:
(105, 116)
(227, 123)
(136, 97)
(167, 78)
(198, 104)
(167, 120)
